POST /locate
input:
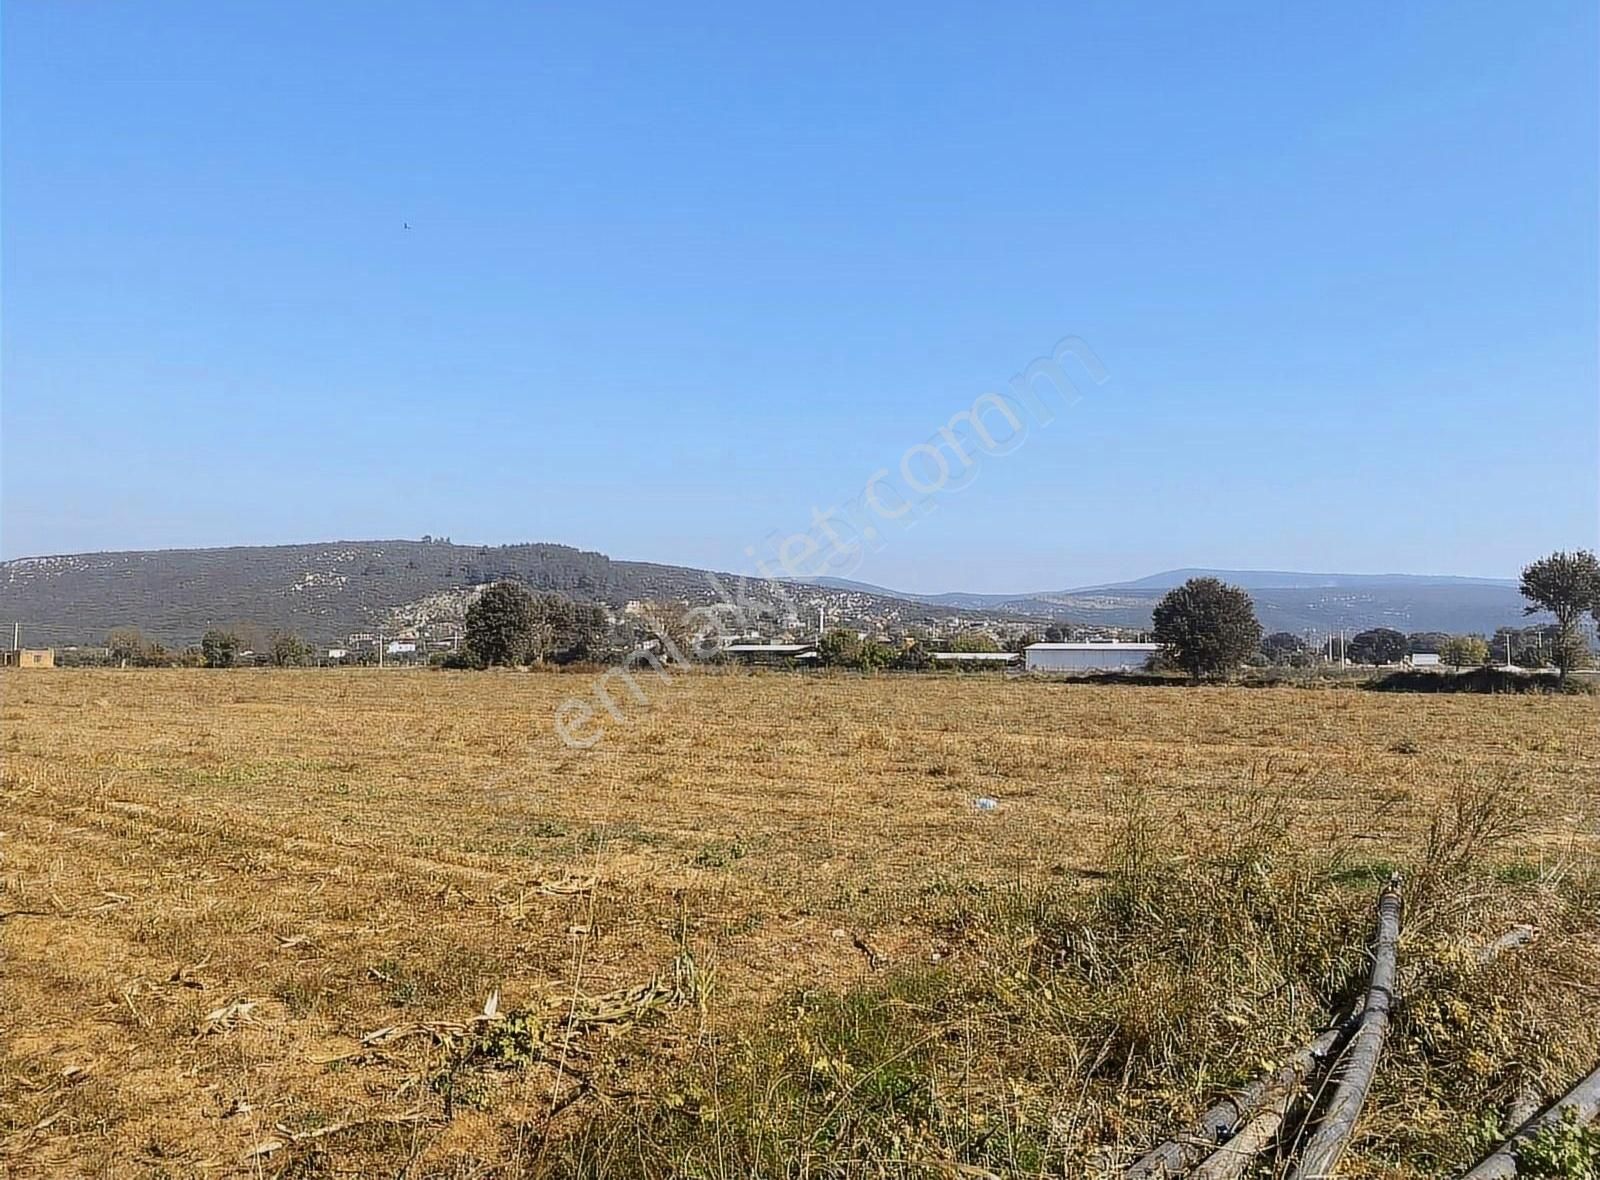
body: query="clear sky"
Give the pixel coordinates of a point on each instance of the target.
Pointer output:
(675, 277)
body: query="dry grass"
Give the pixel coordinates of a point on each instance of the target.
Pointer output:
(761, 927)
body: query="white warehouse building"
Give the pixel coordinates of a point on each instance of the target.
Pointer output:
(1109, 655)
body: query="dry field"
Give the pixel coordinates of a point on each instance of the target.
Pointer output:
(767, 898)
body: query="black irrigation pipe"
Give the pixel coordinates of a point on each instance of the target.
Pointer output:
(1583, 1100)
(1322, 1154)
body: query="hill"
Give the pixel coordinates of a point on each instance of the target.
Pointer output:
(325, 591)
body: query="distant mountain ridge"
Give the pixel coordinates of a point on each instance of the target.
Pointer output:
(1285, 600)
(325, 591)
(1168, 579)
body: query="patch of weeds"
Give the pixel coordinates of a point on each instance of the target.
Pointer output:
(719, 855)
(307, 1119)
(471, 1077)
(1405, 745)
(475, 1089)
(630, 833)
(298, 997)
(313, 1164)
(547, 829)
(404, 990)
(511, 1043)
(1562, 1151)
(436, 976)
(1519, 873)
(1362, 872)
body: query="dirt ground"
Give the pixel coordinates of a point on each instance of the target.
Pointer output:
(214, 884)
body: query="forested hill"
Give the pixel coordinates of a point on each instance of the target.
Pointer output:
(319, 591)
(324, 592)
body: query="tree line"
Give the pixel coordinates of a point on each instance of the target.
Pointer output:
(1208, 628)
(129, 647)
(1205, 628)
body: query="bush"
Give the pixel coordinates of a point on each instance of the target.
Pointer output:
(1472, 680)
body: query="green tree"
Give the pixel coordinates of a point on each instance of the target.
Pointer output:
(1566, 585)
(1381, 645)
(846, 649)
(502, 625)
(1282, 646)
(128, 645)
(913, 657)
(1427, 642)
(289, 650)
(972, 641)
(1464, 651)
(1207, 627)
(218, 648)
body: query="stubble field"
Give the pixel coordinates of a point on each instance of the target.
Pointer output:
(250, 918)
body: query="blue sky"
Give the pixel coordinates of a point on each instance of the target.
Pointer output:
(676, 279)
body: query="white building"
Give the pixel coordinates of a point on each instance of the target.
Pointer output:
(1109, 655)
(1423, 659)
(973, 657)
(757, 653)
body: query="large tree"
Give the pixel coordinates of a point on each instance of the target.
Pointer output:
(218, 648)
(1422, 642)
(502, 625)
(971, 641)
(1464, 651)
(1381, 645)
(846, 649)
(1207, 627)
(127, 645)
(289, 650)
(1281, 647)
(1567, 585)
